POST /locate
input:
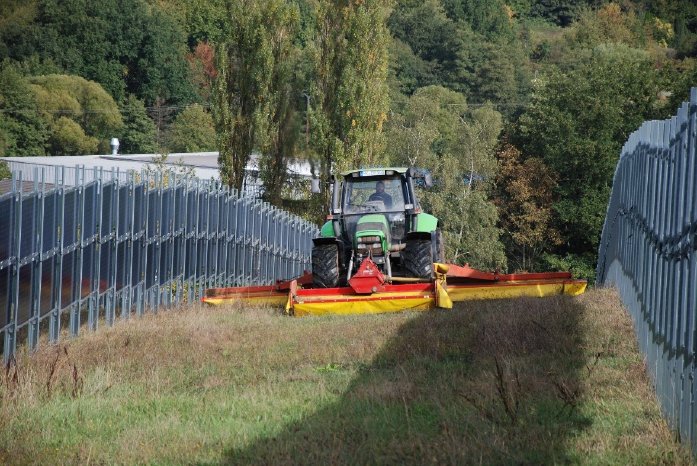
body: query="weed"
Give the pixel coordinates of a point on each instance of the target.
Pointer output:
(78, 382)
(51, 373)
(11, 378)
(54, 369)
(329, 367)
(568, 392)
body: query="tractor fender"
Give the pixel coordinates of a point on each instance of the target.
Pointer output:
(412, 235)
(425, 223)
(327, 230)
(326, 240)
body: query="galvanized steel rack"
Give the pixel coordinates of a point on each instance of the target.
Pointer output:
(648, 251)
(106, 246)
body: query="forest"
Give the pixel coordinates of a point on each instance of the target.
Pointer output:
(518, 108)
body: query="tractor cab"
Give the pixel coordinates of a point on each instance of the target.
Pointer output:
(375, 202)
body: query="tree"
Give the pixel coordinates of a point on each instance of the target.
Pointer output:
(68, 138)
(202, 68)
(348, 83)
(5, 173)
(278, 144)
(203, 20)
(465, 45)
(22, 130)
(410, 71)
(138, 135)
(94, 41)
(192, 131)
(161, 70)
(561, 12)
(609, 24)
(362, 88)
(524, 197)
(577, 123)
(124, 45)
(86, 103)
(242, 93)
(436, 40)
(682, 15)
(499, 75)
(492, 19)
(439, 133)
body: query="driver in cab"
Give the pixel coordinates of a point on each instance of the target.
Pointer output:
(381, 195)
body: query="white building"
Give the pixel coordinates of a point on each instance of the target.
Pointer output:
(203, 165)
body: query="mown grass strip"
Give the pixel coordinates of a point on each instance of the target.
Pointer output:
(555, 380)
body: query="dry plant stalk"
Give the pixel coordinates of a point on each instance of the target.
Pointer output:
(12, 375)
(51, 373)
(509, 393)
(76, 378)
(78, 382)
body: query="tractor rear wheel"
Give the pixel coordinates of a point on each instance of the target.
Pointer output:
(325, 265)
(417, 258)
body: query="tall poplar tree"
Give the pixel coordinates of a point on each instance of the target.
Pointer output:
(246, 98)
(279, 140)
(349, 94)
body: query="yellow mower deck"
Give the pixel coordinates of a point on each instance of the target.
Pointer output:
(370, 292)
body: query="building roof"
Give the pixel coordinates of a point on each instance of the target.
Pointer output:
(205, 164)
(74, 170)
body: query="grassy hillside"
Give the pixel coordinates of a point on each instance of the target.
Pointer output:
(529, 381)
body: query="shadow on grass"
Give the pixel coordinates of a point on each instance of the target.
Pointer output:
(485, 383)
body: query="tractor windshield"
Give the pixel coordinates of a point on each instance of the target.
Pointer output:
(373, 194)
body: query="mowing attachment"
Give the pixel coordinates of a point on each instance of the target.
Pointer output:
(370, 292)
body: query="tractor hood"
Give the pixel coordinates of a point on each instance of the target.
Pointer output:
(373, 224)
(372, 229)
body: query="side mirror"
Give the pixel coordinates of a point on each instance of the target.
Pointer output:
(428, 180)
(314, 186)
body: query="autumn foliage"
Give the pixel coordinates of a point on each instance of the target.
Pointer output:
(524, 188)
(202, 65)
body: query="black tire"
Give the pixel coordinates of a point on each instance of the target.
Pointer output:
(325, 265)
(438, 246)
(417, 258)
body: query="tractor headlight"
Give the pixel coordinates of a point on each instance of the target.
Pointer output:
(369, 239)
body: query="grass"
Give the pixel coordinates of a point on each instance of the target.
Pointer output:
(556, 380)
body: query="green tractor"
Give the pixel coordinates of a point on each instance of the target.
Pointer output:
(374, 213)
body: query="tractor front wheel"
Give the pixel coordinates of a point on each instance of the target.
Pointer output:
(417, 258)
(325, 265)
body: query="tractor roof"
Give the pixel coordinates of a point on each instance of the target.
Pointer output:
(374, 171)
